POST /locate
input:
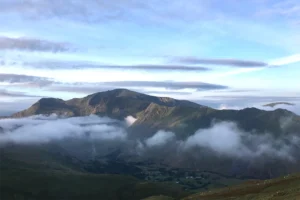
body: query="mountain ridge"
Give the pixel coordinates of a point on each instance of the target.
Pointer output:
(100, 103)
(154, 113)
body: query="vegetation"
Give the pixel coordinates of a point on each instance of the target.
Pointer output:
(35, 174)
(284, 188)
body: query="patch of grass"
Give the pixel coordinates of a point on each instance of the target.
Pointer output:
(161, 197)
(287, 188)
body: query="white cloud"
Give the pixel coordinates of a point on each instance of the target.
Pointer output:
(285, 60)
(160, 138)
(227, 139)
(130, 120)
(43, 129)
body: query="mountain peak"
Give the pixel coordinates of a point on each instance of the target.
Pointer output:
(117, 103)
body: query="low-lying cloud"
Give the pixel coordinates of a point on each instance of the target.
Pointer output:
(43, 129)
(159, 139)
(130, 120)
(226, 138)
(223, 138)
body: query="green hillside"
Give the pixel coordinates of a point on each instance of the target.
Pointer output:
(33, 173)
(284, 188)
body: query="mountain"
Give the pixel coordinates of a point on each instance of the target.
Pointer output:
(80, 168)
(154, 113)
(117, 103)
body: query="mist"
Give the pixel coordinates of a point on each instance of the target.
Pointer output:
(43, 129)
(227, 139)
(223, 139)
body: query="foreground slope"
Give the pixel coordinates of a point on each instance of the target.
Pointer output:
(284, 188)
(44, 172)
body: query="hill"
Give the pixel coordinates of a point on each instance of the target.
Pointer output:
(287, 188)
(48, 173)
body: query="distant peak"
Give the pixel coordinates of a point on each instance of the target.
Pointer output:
(50, 101)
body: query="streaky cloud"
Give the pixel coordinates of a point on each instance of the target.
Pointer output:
(167, 84)
(217, 61)
(13, 94)
(86, 65)
(20, 78)
(32, 44)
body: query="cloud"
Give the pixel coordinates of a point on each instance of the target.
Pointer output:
(130, 120)
(294, 108)
(222, 139)
(167, 92)
(87, 88)
(43, 129)
(78, 88)
(30, 44)
(215, 61)
(167, 84)
(102, 11)
(254, 98)
(159, 139)
(227, 139)
(227, 107)
(6, 93)
(285, 60)
(18, 78)
(87, 65)
(288, 9)
(238, 102)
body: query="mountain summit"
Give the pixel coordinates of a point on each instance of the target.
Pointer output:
(117, 103)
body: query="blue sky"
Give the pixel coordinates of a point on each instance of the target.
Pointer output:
(227, 54)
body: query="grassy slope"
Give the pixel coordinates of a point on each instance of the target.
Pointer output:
(287, 188)
(37, 184)
(32, 173)
(161, 197)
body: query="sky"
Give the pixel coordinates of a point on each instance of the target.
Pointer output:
(225, 54)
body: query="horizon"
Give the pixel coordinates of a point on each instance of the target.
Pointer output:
(278, 104)
(226, 55)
